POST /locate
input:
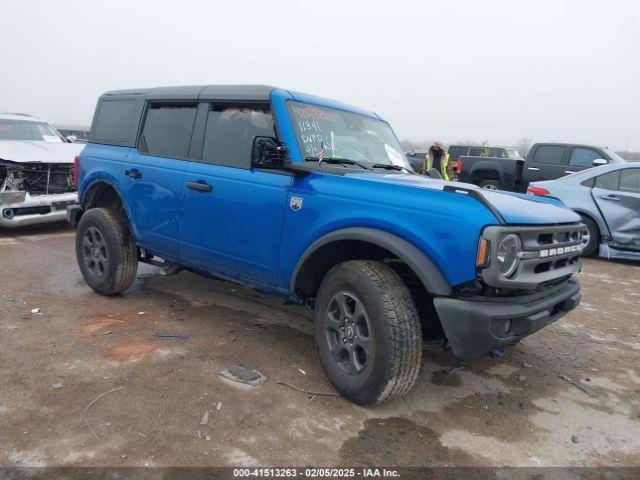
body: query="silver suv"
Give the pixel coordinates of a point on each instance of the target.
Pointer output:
(36, 171)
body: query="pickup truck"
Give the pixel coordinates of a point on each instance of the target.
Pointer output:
(545, 161)
(313, 201)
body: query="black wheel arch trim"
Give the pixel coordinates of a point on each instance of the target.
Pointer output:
(428, 273)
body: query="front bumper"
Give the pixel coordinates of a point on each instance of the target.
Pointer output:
(476, 325)
(34, 210)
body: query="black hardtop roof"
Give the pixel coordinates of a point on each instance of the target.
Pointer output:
(198, 92)
(569, 144)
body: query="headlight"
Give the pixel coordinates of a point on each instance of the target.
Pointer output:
(507, 255)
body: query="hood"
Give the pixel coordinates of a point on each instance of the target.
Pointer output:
(515, 208)
(40, 152)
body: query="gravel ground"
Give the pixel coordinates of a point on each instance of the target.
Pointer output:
(518, 410)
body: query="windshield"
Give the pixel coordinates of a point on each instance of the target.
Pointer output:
(28, 130)
(615, 157)
(345, 135)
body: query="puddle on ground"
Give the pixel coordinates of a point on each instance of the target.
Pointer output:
(129, 349)
(397, 441)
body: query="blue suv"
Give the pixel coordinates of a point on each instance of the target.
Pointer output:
(315, 202)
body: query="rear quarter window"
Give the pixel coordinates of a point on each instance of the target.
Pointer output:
(114, 121)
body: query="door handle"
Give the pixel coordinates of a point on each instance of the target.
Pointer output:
(199, 186)
(133, 173)
(533, 169)
(610, 197)
(569, 171)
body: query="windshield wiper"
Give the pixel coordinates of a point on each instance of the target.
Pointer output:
(386, 166)
(339, 161)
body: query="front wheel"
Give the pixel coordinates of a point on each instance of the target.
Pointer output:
(106, 253)
(368, 332)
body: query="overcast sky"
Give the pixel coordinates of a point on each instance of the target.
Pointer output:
(447, 70)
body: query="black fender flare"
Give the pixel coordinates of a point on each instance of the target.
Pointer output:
(488, 165)
(428, 273)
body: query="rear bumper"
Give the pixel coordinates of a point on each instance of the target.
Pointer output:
(35, 210)
(475, 326)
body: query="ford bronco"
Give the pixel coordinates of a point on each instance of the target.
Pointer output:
(314, 201)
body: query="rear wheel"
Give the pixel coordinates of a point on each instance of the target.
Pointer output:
(490, 184)
(590, 236)
(368, 332)
(106, 253)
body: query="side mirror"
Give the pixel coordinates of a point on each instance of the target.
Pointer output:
(599, 162)
(269, 153)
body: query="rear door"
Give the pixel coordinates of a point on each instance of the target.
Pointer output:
(546, 162)
(617, 195)
(153, 177)
(582, 158)
(232, 213)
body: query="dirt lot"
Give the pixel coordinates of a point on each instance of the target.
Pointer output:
(515, 410)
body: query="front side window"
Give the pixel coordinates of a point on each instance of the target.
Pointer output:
(608, 181)
(23, 130)
(228, 138)
(344, 135)
(497, 153)
(583, 157)
(549, 154)
(630, 180)
(167, 130)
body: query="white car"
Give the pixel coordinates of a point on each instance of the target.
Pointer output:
(36, 171)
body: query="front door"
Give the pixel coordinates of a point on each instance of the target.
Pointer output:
(232, 214)
(152, 179)
(617, 195)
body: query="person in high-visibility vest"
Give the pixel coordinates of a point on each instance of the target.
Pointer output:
(438, 158)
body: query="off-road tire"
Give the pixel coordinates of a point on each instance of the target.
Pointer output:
(594, 233)
(395, 331)
(490, 184)
(119, 248)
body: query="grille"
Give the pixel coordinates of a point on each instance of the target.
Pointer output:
(549, 253)
(37, 178)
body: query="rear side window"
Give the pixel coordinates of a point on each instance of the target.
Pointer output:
(583, 157)
(630, 180)
(549, 154)
(167, 130)
(114, 121)
(476, 151)
(608, 181)
(456, 152)
(228, 138)
(497, 152)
